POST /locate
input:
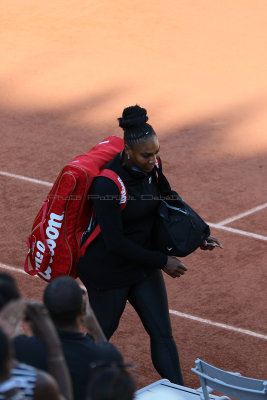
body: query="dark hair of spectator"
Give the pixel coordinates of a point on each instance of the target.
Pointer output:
(111, 382)
(8, 289)
(134, 124)
(63, 299)
(5, 352)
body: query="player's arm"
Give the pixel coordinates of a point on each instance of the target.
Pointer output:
(107, 207)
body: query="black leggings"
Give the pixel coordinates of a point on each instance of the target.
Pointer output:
(149, 299)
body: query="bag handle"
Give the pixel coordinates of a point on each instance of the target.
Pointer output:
(47, 252)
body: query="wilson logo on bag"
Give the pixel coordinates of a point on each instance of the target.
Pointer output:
(54, 242)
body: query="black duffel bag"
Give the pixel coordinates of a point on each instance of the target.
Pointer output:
(179, 230)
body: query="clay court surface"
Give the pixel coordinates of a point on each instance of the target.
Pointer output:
(68, 68)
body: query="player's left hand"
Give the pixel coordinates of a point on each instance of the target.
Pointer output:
(210, 243)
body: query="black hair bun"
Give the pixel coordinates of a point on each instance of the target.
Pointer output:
(133, 116)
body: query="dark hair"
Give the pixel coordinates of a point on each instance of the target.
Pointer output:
(111, 382)
(134, 124)
(8, 289)
(5, 352)
(63, 299)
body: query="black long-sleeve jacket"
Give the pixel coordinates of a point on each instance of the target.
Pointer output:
(123, 253)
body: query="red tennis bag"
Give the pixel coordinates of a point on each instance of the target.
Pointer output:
(54, 242)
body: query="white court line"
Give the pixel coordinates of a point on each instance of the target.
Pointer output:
(177, 313)
(219, 325)
(238, 231)
(242, 215)
(25, 178)
(14, 269)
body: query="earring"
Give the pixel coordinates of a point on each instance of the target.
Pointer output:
(128, 156)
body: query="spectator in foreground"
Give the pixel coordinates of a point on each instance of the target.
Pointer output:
(68, 308)
(8, 387)
(24, 381)
(111, 382)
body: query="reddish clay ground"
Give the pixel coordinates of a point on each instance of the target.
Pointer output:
(67, 71)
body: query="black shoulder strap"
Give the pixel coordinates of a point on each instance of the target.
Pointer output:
(163, 183)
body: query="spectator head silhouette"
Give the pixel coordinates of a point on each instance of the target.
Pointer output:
(8, 289)
(110, 381)
(64, 300)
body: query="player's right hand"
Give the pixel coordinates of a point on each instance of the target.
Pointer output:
(174, 267)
